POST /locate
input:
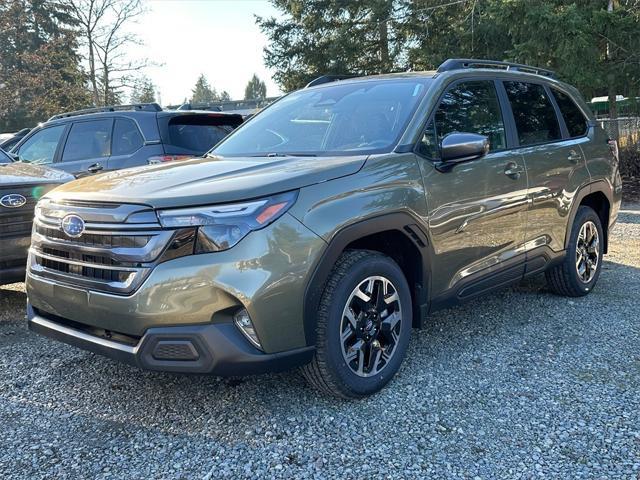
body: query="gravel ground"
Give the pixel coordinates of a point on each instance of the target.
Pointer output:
(520, 384)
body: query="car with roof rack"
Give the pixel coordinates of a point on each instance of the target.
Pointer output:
(321, 232)
(100, 139)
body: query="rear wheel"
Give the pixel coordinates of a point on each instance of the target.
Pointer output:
(364, 324)
(578, 273)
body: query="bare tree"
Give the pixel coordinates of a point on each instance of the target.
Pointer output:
(109, 42)
(89, 15)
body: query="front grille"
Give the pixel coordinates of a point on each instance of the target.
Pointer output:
(97, 240)
(16, 222)
(115, 253)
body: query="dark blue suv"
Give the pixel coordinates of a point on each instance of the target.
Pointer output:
(110, 138)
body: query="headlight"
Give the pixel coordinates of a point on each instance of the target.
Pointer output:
(222, 226)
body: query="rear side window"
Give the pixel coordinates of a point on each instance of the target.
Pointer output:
(126, 137)
(533, 113)
(86, 140)
(198, 134)
(573, 116)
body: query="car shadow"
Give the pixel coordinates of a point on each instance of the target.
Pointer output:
(521, 320)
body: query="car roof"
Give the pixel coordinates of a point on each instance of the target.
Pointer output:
(135, 114)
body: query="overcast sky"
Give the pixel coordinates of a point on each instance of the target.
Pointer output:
(216, 37)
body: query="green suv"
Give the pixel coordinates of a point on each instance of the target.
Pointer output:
(326, 227)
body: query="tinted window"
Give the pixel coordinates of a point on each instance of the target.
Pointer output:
(339, 118)
(533, 112)
(41, 147)
(469, 107)
(88, 140)
(573, 117)
(126, 137)
(198, 138)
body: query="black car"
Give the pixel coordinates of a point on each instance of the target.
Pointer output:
(21, 186)
(111, 138)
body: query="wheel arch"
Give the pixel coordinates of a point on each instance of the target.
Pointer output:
(396, 235)
(597, 195)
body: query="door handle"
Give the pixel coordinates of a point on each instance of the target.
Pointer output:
(95, 168)
(574, 157)
(513, 170)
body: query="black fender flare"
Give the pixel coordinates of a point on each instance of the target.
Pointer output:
(597, 186)
(402, 222)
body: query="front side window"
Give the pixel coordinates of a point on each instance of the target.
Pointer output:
(573, 116)
(348, 118)
(87, 140)
(126, 137)
(468, 107)
(41, 147)
(533, 113)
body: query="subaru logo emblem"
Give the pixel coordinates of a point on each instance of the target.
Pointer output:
(13, 200)
(73, 226)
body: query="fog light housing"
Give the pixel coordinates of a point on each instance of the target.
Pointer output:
(244, 323)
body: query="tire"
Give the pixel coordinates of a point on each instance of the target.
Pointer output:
(565, 279)
(345, 342)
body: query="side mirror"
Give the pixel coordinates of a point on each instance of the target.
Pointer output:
(14, 156)
(462, 147)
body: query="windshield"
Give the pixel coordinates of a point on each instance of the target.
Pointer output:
(350, 118)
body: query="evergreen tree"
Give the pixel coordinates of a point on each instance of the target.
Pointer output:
(255, 89)
(592, 44)
(144, 91)
(203, 93)
(317, 37)
(224, 96)
(40, 72)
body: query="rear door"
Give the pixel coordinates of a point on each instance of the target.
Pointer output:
(87, 147)
(126, 145)
(555, 164)
(477, 209)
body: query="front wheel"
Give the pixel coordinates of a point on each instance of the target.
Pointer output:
(363, 328)
(578, 273)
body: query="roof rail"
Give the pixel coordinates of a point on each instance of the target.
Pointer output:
(462, 63)
(327, 79)
(140, 107)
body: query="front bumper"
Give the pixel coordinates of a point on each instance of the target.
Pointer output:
(218, 349)
(265, 273)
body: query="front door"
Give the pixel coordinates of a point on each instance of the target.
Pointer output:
(477, 209)
(87, 148)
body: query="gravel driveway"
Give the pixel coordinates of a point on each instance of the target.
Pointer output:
(520, 384)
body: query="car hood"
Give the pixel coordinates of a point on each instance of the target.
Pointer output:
(19, 173)
(208, 180)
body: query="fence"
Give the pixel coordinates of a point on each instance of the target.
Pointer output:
(627, 131)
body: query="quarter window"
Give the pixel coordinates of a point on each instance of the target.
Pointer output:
(533, 113)
(41, 147)
(126, 137)
(469, 107)
(573, 116)
(87, 140)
